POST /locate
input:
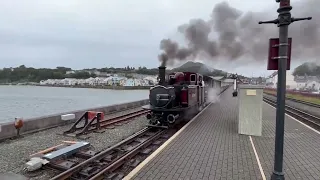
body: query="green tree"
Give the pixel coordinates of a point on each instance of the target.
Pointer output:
(29, 74)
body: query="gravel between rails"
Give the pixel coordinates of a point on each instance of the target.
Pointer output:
(15, 153)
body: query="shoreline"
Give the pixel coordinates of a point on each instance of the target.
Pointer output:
(86, 86)
(40, 123)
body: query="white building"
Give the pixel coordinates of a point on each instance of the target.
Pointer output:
(313, 85)
(130, 82)
(272, 80)
(102, 81)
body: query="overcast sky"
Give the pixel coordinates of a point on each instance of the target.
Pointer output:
(99, 33)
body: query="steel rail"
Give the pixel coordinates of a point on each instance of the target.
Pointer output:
(68, 173)
(127, 156)
(299, 101)
(299, 114)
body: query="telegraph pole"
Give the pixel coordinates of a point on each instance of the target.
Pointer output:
(283, 21)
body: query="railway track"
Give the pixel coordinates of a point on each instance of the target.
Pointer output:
(299, 101)
(307, 118)
(304, 102)
(114, 162)
(91, 126)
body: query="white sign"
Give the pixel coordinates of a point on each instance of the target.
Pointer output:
(251, 92)
(67, 117)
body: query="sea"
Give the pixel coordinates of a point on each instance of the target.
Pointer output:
(34, 101)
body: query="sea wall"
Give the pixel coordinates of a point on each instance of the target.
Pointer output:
(82, 86)
(8, 130)
(101, 87)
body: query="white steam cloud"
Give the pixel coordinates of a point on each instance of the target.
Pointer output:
(213, 95)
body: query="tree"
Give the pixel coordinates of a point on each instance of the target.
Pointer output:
(29, 74)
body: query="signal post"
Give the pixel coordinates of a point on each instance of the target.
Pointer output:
(279, 59)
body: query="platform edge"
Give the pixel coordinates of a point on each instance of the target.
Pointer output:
(155, 153)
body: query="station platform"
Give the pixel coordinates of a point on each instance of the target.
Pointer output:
(209, 147)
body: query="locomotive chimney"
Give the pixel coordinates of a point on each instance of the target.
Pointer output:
(162, 75)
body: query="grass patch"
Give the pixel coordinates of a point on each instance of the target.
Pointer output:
(300, 97)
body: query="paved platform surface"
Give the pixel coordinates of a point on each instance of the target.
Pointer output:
(211, 148)
(301, 147)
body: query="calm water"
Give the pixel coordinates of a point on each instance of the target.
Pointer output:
(33, 101)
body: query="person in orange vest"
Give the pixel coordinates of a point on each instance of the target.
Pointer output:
(18, 125)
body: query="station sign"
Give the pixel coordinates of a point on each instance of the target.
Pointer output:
(273, 57)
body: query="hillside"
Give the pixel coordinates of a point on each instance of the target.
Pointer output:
(308, 68)
(198, 67)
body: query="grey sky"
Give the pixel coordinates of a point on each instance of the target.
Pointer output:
(100, 33)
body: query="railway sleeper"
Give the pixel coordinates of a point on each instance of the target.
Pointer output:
(126, 148)
(120, 150)
(146, 151)
(157, 142)
(89, 171)
(133, 143)
(110, 157)
(134, 162)
(165, 136)
(148, 134)
(140, 140)
(63, 165)
(86, 154)
(115, 176)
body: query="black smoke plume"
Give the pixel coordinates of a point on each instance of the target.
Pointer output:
(238, 34)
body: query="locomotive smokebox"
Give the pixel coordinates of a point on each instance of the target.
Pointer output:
(162, 74)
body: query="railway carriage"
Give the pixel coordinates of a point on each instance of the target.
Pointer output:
(177, 97)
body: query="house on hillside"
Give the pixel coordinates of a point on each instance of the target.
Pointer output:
(272, 80)
(129, 82)
(301, 81)
(313, 85)
(68, 81)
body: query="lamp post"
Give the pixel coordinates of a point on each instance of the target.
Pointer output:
(283, 57)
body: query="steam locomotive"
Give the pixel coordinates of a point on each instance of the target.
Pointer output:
(177, 97)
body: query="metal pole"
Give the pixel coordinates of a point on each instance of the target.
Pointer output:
(283, 21)
(281, 91)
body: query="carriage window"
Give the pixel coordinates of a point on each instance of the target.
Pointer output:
(171, 76)
(192, 77)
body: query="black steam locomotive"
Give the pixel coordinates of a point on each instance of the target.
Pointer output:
(178, 96)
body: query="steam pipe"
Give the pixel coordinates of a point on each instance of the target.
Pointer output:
(162, 75)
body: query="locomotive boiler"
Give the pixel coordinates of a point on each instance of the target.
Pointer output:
(177, 97)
